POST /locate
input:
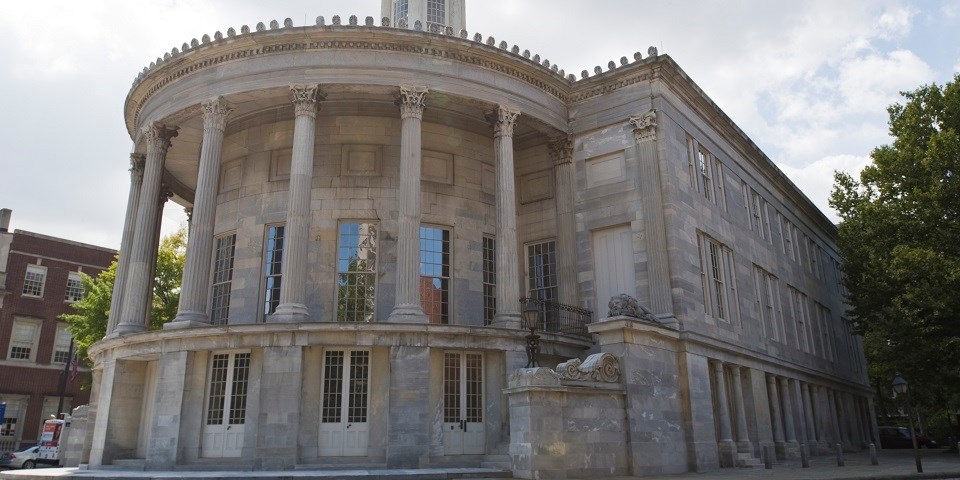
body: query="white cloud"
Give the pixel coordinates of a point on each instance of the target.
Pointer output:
(895, 23)
(875, 80)
(816, 179)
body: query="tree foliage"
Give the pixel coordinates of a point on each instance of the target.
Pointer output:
(88, 324)
(900, 239)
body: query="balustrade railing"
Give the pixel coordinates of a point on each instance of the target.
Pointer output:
(559, 318)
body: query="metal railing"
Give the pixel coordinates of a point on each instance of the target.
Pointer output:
(559, 318)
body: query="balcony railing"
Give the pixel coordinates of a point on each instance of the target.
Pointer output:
(559, 318)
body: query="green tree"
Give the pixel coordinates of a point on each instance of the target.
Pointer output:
(88, 324)
(900, 239)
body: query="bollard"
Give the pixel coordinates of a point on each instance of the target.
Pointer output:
(873, 455)
(839, 455)
(768, 457)
(804, 456)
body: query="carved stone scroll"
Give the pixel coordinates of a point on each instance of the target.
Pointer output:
(599, 367)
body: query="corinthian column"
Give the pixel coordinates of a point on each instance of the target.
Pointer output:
(407, 307)
(787, 410)
(192, 310)
(129, 224)
(138, 282)
(562, 153)
(508, 284)
(293, 288)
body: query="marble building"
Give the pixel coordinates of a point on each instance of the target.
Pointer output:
(371, 199)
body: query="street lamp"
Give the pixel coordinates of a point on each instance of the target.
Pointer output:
(531, 318)
(900, 387)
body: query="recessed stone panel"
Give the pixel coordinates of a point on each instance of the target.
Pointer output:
(230, 175)
(536, 186)
(605, 169)
(437, 167)
(280, 164)
(361, 160)
(488, 179)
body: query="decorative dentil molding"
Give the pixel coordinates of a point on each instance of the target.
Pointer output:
(306, 99)
(561, 151)
(158, 136)
(411, 101)
(215, 113)
(644, 126)
(599, 367)
(505, 120)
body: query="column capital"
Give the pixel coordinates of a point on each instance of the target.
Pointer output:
(771, 379)
(561, 150)
(137, 161)
(165, 194)
(411, 101)
(505, 118)
(644, 126)
(215, 113)
(306, 99)
(158, 136)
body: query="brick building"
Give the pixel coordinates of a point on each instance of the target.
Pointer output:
(38, 282)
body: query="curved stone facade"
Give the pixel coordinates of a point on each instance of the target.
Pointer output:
(370, 204)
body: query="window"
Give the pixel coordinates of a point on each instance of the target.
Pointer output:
(716, 265)
(542, 275)
(801, 316)
(400, 8)
(489, 279)
(768, 301)
(75, 288)
(61, 345)
(273, 258)
(703, 166)
(227, 390)
(357, 272)
(691, 169)
(8, 427)
(437, 11)
(33, 281)
(435, 273)
(222, 279)
(23, 340)
(756, 214)
(706, 173)
(823, 322)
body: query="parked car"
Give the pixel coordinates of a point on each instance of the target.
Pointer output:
(26, 458)
(899, 437)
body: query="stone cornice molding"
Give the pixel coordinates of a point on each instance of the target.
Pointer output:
(137, 162)
(504, 121)
(561, 151)
(644, 126)
(411, 101)
(215, 113)
(306, 99)
(158, 136)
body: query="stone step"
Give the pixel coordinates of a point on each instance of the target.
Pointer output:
(341, 466)
(360, 474)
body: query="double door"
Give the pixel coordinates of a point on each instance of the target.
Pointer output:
(226, 411)
(463, 431)
(344, 430)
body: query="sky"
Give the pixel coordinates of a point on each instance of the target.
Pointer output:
(808, 81)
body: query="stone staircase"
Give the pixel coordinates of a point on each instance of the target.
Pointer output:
(747, 460)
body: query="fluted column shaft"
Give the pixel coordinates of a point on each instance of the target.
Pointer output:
(812, 433)
(791, 435)
(508, 284)
(738, 407)
(293, 289)
(137, 282)
(775, 417)
(165, 194)
(407, 307)
(562, 153)
(196, 267)
(126, 241)
(723, 408)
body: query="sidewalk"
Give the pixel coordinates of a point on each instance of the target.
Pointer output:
(894, 464)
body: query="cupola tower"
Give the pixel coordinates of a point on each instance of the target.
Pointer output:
(445, 13)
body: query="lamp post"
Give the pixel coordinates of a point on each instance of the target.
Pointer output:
(531, 318)
(900, 387)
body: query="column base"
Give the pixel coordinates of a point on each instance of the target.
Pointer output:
(788, 450)
(408, 314)
(290, 313)
(745, 446)
(126, 329)
(506, 320)
(728, 453)
(188, 320)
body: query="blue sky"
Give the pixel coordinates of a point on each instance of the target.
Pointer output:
(808, 81)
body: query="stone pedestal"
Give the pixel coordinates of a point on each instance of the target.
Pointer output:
(565, 429)
(163, 448)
